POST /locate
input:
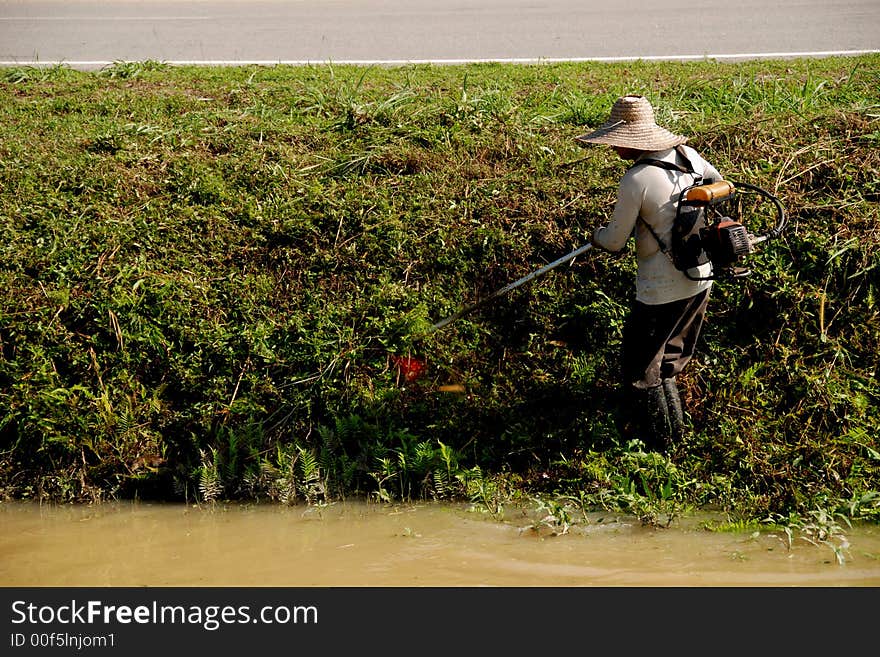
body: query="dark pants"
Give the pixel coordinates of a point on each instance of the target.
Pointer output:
(658, 341)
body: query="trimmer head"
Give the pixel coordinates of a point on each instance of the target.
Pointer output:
(410, 368)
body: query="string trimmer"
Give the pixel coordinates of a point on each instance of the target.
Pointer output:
(507, 288)
(412, 368)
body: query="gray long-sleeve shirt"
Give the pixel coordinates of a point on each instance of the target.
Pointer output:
(651, 192)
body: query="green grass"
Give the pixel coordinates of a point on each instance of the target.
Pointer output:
(205, 271)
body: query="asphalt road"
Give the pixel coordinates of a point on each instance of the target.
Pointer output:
(89, 33)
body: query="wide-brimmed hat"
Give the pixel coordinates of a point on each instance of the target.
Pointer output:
(632, 125)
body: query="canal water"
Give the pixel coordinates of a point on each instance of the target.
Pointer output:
(366, 544)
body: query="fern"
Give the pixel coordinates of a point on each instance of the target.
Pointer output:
(125, 422)
(258, 481)
(283, 475)
(441, 483)
(210, 485)
(424, 456)
(310, 483)
(308, 466)
(233, 455)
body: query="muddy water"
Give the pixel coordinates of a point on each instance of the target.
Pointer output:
(359, 544)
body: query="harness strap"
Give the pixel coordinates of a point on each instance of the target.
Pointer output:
(670, 166)
(660, 243)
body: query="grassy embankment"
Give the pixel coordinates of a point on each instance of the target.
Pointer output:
(205, 272)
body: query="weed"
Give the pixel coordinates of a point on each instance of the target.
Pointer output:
(820, 528)
(123, 70)
(553, 514)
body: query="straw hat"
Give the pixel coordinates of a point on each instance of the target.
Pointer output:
(631, 125)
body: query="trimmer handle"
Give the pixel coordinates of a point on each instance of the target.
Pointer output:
(776, 231)
(510, 286)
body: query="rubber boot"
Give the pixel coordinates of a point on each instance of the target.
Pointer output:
(657, 427)
(675, 410)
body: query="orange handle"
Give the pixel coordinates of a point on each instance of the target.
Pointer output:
(711, 192)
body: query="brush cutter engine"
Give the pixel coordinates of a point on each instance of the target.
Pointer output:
(711, 220)
(726, 242)
(710, 227)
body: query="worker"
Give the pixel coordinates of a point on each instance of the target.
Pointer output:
(664, 321)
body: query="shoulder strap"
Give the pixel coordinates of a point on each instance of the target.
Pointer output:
(660, 243)
(671, 166)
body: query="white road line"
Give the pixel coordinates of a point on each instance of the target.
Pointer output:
(30, 19)
(488, 60)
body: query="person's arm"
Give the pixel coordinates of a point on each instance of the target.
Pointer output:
(614, 236)
(711, 173)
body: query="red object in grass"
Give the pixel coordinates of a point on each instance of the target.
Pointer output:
(411, 368)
